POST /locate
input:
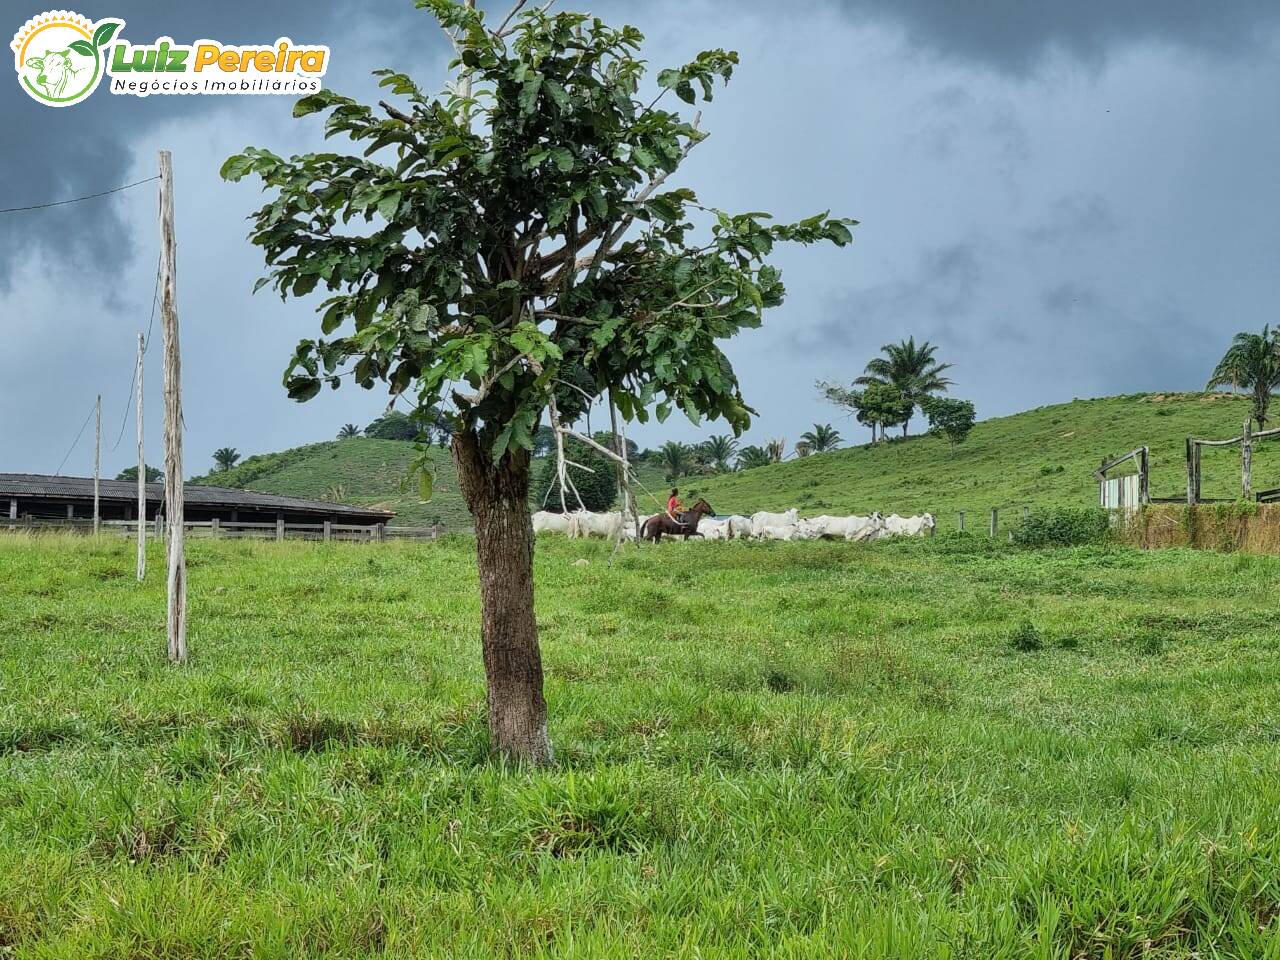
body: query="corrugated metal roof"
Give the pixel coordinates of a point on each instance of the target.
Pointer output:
(41, 485)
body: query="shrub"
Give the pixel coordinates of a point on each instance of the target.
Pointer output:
(598, 489)
(1062, 527)
(1026, 638)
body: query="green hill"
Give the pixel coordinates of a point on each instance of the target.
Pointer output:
(1044, 456)
(358, 470)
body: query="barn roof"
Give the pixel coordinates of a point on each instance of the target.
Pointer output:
(80, 488)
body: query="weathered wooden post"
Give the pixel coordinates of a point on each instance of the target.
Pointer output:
(381, 532)
(173, 489)
(97, 470)
(1191, 475)
(961, 527)
(1246, 460)
(328, 530)
(142, 472)
(995, 522)
(215, 528)
(279, 527)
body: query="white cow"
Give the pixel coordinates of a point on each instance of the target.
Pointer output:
(544, 521)
(855, 528)
(712, 529)
(896, 526)
(607, 525)
(777, 522)
(724, 528)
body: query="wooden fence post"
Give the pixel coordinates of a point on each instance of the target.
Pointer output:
(961, 526)
(381, 532)
(995, 522)
(328, 530)
(279, 528)
(215, 528)
(1191, 475)
(1246, 460)
(173, 482)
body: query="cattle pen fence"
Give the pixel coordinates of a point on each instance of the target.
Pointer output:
(326, 531)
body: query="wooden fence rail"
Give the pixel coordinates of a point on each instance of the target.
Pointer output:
(230, 529)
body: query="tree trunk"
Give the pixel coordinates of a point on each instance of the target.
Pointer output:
(497, 495)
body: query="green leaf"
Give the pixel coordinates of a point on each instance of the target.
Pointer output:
(529, 93)
(83, 47)
(558, 94)
(333, 318)
(302, 389)
(564, 158)
(313, 103)
(388, 205)
(102, 36)
(235, 167)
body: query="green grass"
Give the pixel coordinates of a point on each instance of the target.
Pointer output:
(365, 471)
(790, 750)
(1042, 457)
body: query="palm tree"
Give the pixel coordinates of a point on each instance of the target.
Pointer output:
(348, 431)
(802, 448)
(821, 438)
(753, 456)
(225, 458)
(1252, 362)
(676, 459)
(720, 450)
(910, 368)
(776, 449)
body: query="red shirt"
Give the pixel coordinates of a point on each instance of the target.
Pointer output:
(673, 505)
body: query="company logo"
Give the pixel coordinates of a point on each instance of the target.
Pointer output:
(61, 57)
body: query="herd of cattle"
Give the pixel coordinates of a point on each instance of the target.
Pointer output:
(759, 526)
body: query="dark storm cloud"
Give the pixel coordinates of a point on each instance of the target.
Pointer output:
(943, 286)
(1014, 35)
(1071, 297)
(1076, 216)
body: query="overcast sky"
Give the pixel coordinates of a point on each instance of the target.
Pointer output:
(1069, 199)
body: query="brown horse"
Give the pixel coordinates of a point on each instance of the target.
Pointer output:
(684, 525)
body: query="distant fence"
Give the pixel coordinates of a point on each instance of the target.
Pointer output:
(230, 529)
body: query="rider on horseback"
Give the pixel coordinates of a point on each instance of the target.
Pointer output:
(674, 506)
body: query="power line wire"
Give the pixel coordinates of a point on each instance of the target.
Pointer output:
(91, 196)
(58, 472)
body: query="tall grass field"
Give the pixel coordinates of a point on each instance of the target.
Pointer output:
(946, 748)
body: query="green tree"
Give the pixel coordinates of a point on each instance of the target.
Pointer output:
(720, 451)
(951, 418)
(912, 369)
(596, 480)
(803, 449)
(515, 247)
(1251, 363)
(676, 459)
(878, 405)
(753, 456)
(224, 458)
(821, 438)
(348, 431)
(394, 425)
(154, 474)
